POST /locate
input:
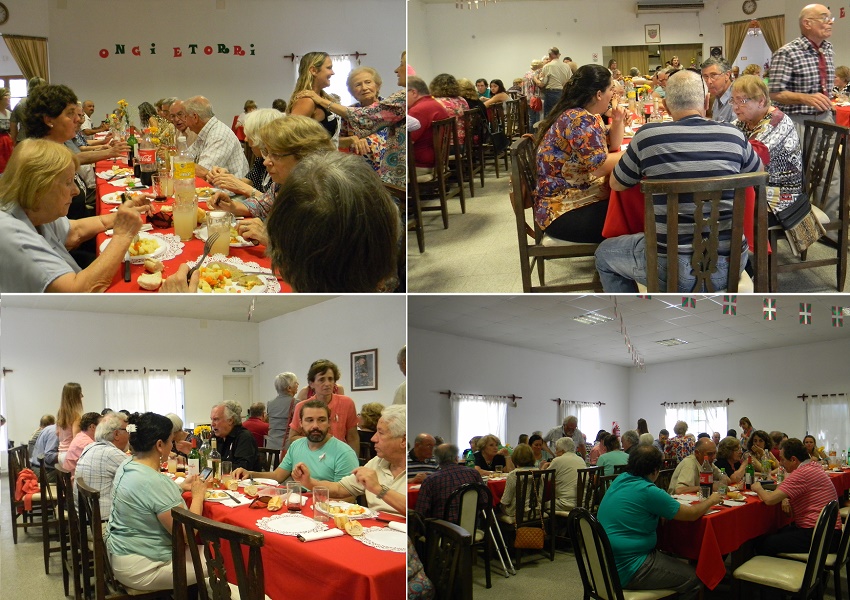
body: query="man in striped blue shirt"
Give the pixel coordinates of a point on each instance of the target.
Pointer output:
(690, 146)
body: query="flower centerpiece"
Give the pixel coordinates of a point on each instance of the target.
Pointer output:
(203, 431)
(163, 136)
(119, 120)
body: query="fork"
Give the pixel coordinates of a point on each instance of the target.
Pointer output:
(207, 247)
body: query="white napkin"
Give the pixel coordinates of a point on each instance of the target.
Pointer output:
(179, 480)
(398, 526)
(320, 535)
(686, 497)
(415, 487)
(734, 502)
(242, 499)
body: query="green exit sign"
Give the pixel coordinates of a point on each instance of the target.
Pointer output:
(237, 369)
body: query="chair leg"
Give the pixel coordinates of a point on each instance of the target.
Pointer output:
(841, 268)
(541, 269)
(773, 262)
(487, 562)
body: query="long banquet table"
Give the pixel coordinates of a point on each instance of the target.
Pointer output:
(842, 115)
(496, 487)
(190, 251)
(339, 567)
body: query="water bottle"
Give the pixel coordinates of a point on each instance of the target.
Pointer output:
(147, 159)
(780, 475)
(721, 487)
(765, 466)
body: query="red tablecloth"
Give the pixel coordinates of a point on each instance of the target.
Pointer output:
(192, 249)
(841, 481)
(842, 115)
(497, 488)
(707, 539)
(334, 568)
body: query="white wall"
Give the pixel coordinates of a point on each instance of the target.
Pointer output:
(440, 362)
(501, 40)
(333, 330)
(80, 30)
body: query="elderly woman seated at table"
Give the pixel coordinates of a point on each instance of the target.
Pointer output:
(729, 455)
(566, 465)
(759, 447)
(768, 128)
(36, 235)
(490, 455)
(842, 81)
(573, 158)
(523, 458)
(138, 536)
(614, 455)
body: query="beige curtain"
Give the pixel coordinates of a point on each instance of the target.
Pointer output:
(736, 33)
(30, 53)
(630, 56)
(685, 52)
(773, 29)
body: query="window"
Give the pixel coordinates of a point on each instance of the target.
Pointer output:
(342, 66)
(705, 417)
(588, 419)
(475, 415)
(828, 419)
(17, 86)
(144, 391)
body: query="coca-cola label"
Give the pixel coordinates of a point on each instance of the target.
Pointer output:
(147, 157)
(705, 478)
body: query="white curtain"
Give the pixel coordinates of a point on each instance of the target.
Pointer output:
(124, 390)
(136, 391)
(707, 416)
(828, 419)
(4, 436)
(164, 393)
(588, 418)
(474, 415)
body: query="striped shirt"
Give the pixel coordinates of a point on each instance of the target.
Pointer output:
(97, 466)
(218, 146)
(794, 68)
(691, 147)
(809, 489)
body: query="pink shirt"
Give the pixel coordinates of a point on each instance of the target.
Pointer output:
(809, 489)
(78, 444)
(597, 451)
(65, 437)
(343, 416)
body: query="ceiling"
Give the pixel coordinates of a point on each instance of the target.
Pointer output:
(545, 323)
(214, 308)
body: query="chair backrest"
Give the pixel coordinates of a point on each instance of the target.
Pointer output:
(531, 491)
(843, 553)
(69, 523)
(472, 122)
(708, 207)
(620, 469)
(445, 136)
(18, 460)
(522, 124)
(602, 484)
(91, 531)
(512, 119)
(523, 180)
(585, 486)
(594, 557)
(269, 458)
(249, 577)
(496, 116)
(825, 148)
(416, 531)
(463, 506)
(664, 478)
(448, 559)
(819, 548)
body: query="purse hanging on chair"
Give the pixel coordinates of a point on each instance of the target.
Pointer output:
(531, 537)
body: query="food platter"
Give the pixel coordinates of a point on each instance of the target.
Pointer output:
(215, 496)
(144, 239)
(262, 279)
(338, 507)
(236, 240)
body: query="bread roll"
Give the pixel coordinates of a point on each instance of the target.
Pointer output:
(150, 281)
(153, 265)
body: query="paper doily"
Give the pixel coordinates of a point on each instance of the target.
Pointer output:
(383, 538)
(272, 284)
(290, 524)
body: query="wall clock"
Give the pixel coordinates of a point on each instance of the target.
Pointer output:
(4, 14)
(749, 7)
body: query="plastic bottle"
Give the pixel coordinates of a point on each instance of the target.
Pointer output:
(194, 463)
(721, 486)
(780, 475)
(706, 479)
(147, 158)
(185, 204)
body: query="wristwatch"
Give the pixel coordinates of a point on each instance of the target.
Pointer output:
(383, 492)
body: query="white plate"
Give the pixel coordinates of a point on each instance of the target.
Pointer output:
(120, 182)
(384, 538)
(110, 173)
(734, 502)
(141, 257)
(114, 197)
(258, 481)
(201, 234)
(368, 514)
(291, 524)
(222, 499)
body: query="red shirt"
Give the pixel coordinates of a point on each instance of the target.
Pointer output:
(426, 110)
(258, 428)
(343, 416)
(809, 489)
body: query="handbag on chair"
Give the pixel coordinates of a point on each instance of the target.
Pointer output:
(535, 104)
(531, 538)
(498, 139)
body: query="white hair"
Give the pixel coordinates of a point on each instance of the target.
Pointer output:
(565, 445)
(395, 417)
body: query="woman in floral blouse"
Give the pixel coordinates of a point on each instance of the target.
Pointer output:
(681, 446)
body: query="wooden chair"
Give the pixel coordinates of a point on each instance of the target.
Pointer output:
(522, 122)
(530, 507)
(18, 460)
(496, 119)
(586, 485)
(249, 576)
(445, 136)
(603, 482)
(416, 532)
(448, 559)
(475, 132)
(48, 516)
(94, 557)
(800, 580)
(834, 562)
(69, 533)
(414, 202)
(596, 562)
(825, 149)
(269, 458)
(664, 478)
(512, 120)
(620, 469)
(540, 247)
(707, 193)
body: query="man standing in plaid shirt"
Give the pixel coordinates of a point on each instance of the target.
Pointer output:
(801, 76)
(438, 486)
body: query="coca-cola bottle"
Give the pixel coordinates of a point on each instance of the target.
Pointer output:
(147, 159)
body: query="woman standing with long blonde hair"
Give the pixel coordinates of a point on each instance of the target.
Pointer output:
(314, 74)
(68, 418)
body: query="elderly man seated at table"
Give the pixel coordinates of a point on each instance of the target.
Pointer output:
(690, 146)
(235, 443)
(803, 494)
(100, 460)
(569, 428)
(423, 107)
(327, 458)
(629, 440)
(420, 459)
(47, 444)
(566, 465)
(177, 116)
(661, 441)
(216, 145)
(629, 514)
(614, 455)
(88, 425)
(437, 487)
(685, 479)
(382, 479)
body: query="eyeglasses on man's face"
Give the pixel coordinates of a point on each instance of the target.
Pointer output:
(825, 19)
(712, 76)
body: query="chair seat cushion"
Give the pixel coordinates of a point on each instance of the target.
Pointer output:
(773, 572)
(647, 594)
(803, 557)
(548, 240)
(507, 519)
(820, 215)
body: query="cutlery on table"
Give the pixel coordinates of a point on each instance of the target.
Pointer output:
(207, 247)
(127, 267)
(232, 497)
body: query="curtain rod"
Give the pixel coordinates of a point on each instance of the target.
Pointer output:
(813, 396)
(101, 371)
(559, 401)
(356, 55)
(512, 397)
(696, 402)
(5, 370)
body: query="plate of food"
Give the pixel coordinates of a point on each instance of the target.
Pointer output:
(215, 496)
(205, 193)
(222, 278)
(236, 240)
(352, 511)
(291, 524)
(127, 182)
(118, 197)
(115, 173)
(258, 481)
(147, 246)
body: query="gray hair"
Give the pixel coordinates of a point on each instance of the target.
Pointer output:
(565, 445)
(570, 419)
(258, 119)
(232, 411)
(634, 72)
(355, 72)
(284, 381)
(199, 106)
(445, 454)
(646, 438)
(632, 436)
(418, 84)
(685, 91)
(176, 422)
(680, 428)
(107, 427)
(402, 355)
(721, 64)
(395, 417)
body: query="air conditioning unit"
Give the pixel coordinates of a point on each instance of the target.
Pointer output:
(666, 6)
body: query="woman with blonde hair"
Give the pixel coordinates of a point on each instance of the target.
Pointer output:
(842, 81)
(68, 417)
(752, 70)
(314, 74)
(367, 423)
(489, 456)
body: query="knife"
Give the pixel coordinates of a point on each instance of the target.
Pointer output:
(127, 267)
(234, 498)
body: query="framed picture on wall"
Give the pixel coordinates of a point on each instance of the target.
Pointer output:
(364, 370)
(652, 34)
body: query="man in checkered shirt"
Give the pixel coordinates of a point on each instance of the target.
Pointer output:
(801, 76)
(437, 487)
(217, 145)
(100, 459)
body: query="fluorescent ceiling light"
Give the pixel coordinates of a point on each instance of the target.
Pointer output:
(592, 318)
(671, 342)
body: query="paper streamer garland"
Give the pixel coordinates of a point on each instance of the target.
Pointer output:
(837, 316)
(769, 309)
(805, 313)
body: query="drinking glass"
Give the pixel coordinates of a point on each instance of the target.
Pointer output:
(498, 470)
(181, 464)
(321, 496)
(158, 188)
(185, 216)
(172, 465)
(219, 220)
(293, 496)
(226, 472)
